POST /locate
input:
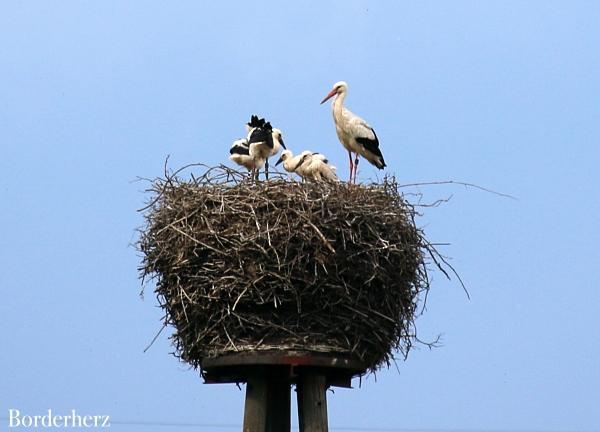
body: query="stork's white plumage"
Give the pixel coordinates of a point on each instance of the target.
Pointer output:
(319, 169)
(240, 154)
(277, 142)
(355, 134)
(290, 162)
(308, 165)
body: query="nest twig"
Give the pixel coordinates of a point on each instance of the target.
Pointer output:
(280, 265)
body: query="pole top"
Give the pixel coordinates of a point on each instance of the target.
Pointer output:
(339, 369)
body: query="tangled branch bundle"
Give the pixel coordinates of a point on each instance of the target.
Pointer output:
(281, 265)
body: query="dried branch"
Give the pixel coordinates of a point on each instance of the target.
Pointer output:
(453, 182)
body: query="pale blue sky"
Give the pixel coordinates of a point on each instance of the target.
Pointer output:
(505, 94)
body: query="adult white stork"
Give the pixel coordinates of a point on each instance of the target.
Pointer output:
(355, 134)
(308, 165)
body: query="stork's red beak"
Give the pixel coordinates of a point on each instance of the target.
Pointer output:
(331, 94)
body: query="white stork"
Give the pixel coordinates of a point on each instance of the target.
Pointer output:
(308, 165)
(240, 154)
(355, 134)
(263, 140)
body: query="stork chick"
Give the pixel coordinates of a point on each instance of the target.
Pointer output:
(319, 168)
(240, 154)
(308, 165)
(264, 141)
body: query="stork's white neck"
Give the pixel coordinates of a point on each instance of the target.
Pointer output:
(338, 102)
(337, 108)
(290, 163)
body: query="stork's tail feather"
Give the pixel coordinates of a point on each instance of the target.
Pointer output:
(256, 122)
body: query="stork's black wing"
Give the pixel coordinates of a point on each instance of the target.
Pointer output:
(259, 135)
(372, 146)
(262, 133)
(239, 148)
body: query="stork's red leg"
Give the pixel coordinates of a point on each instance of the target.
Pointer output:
(351, 166)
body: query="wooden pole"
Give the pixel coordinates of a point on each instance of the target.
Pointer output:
(267, 406)
(312, 401)
(269, 377)
(255, 409)
(278, 403)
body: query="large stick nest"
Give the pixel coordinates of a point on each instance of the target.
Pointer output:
(242, 266)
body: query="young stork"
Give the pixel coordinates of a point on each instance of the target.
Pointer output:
(355, 134)
(263, 140)
(308, 165)
(240, 154)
